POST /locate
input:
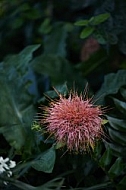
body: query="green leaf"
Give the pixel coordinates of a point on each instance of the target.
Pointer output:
(117, 168)
(117, 124)
(112, 83)
(26, 54)
(117, 150)
(86, 32)
(15, 135)
(46, 162)
(106, 158)
(121, 106)
(59, 89)
(14, 106)
(117, 136)
(81, 23)
(123, 93)
(20, 61)
(62, 89)
(96, 20)
(55, 43)
(9, 113)
(16, 116)
(58, 69)
(15, 100)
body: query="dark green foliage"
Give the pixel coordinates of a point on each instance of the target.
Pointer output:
(46, 162)
(16, 101)
(61, 59)
(112, 83)
(114, 156)
(91, 23)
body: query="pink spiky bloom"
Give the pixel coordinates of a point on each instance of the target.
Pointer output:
(74, 121)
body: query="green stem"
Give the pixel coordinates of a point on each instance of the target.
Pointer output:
(19, 184)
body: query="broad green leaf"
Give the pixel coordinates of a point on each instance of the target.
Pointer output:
(55, 43)
(106, 158)
(121, 106)
(15, 135)
(117, 168)
(14, 117)
(20, 61)
(112, 83)
(117, 150)
(9, 114)
(13, 105)
(99, 19)
(117, 136)
(46, 162)
(123, 93)
(117, 124)
(15, 100)
(58, 69)
(81, 23)
(26, 54)
(48, 95)
(59, 89)
(87, 32)
(62, 89)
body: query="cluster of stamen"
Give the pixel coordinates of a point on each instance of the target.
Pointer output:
(74, 121)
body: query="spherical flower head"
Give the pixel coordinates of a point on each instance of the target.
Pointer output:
(74, 121)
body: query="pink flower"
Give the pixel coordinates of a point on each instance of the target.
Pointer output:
(75, 122)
